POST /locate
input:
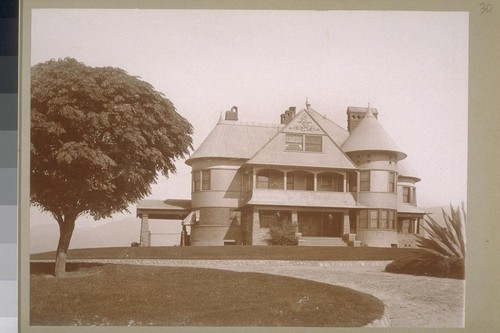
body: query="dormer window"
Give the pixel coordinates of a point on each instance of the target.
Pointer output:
(304, 142)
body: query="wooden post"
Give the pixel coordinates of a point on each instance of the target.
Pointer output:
(145, 237)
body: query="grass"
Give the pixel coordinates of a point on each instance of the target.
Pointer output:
(303, 253)
(128, 295)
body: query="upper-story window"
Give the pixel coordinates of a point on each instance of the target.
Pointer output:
(304, 142)
(391, 182)
(201, 180)
(270, 179)
(364, 181)
(409, 194)
(299, 180)
(329, 181)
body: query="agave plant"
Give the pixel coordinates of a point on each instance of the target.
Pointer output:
(444, 254)
(448, 240)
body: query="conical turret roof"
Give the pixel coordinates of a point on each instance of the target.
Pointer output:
(369, 135)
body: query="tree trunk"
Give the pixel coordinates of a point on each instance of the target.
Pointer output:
(66, 228)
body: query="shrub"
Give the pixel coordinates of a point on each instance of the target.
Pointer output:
(444, 249)
(283, 233)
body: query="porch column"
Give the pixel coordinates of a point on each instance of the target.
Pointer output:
(256, 228)
(347, 224)
(254, 179)
(315, 181)
(358, 181)
(285, 185)
(295, 220)
(345, 182)
(145, 237)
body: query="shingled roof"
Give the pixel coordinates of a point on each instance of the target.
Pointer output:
(369, 135)
(405, 170)
(273, 153)
(234, 139)
(336, 132)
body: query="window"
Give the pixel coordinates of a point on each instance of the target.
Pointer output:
(353, 183)
(196, 181)
(406, 194)
(331, 182)
(247, 181)
(391, 220)
(201, 180)
(363, 219)
(313, 143)
(262, 181)
(364, 181)
(268, 218)
(409, 195)
(391, 182)
(300, 180)
(377, 219)
(300, 142)
(373, 218)
(205, 180)
(326, 181)
(383, 218)
(293, 142)
(270, 179)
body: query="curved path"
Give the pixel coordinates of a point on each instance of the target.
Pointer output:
(410, 301)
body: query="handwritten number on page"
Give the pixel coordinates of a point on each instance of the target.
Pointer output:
(485, 7)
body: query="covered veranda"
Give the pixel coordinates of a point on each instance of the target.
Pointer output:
(170, 209)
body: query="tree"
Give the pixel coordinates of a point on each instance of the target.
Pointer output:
(99, 137)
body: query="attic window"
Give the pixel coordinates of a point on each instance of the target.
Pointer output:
(302, 142)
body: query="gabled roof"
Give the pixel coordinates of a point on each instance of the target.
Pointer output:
(234, 139)
(273, 153)
(405, 170)
(369, 135)
(337, 133)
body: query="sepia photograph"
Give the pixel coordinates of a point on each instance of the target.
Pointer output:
(247, 168)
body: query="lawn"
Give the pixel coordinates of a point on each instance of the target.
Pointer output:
(128, 295)
(236, 252)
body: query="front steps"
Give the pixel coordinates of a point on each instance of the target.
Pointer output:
(321, 241)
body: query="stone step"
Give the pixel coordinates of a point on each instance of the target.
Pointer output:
(321, 241)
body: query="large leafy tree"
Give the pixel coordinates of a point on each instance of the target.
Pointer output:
(99, 137)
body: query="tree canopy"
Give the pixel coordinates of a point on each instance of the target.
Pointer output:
(99, 137)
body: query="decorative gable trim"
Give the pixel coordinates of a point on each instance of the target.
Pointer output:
(303, 123)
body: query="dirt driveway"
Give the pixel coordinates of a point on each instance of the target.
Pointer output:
(411, 301)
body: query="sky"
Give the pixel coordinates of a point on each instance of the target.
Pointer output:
(411, 66)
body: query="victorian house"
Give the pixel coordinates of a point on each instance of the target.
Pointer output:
(338, 186)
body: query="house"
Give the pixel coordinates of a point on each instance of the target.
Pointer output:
(338, 186)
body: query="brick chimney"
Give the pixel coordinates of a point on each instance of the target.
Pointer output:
(288, 115)
(355, 114)
(233, 114)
